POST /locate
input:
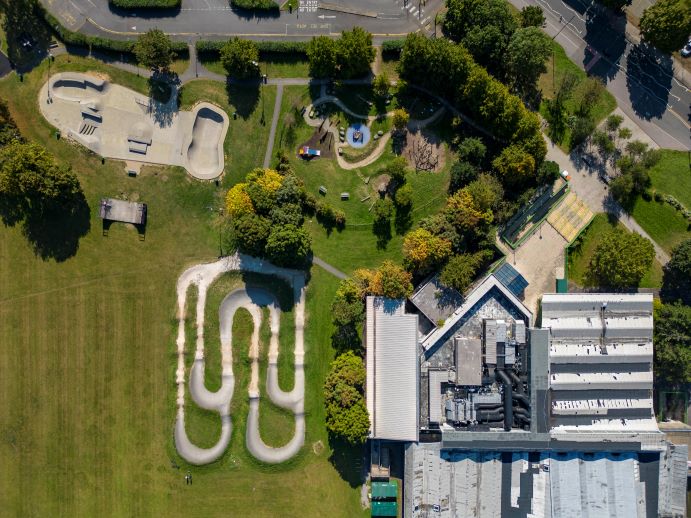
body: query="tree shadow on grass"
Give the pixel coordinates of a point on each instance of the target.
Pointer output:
(348, 461)
(53, 234)
(403, 220)
(382, 229)
(244, 97)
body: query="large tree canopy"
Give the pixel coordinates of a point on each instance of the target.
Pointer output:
(321, 54)
(673, 344)
(676, 283)
(346, 414)
(621, 260)
(527, 54)
(667, 24)
(355, 53)
(240, 58)
(153, 49)
(288, 245)
(423, 251)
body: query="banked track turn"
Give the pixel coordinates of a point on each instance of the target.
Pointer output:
(253, 299)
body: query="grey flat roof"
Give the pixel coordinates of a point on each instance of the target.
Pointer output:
(124, 211)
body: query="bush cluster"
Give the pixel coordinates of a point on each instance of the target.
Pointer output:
(145, 4)
(392, 48)
(256, 5)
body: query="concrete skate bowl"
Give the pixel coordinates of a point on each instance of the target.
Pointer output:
(77, 87)
(205, 151)
(254, 300)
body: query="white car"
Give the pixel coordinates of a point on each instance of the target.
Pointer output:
(565, 175)
(686, 51)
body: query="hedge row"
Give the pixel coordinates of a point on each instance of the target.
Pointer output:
(255, 5)
(392, 48)
(145, 4)
(213, 48)
(95, 42)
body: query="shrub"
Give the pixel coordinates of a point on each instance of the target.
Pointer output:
(255, 5)
(392, 48)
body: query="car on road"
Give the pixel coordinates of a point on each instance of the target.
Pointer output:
(686, 51)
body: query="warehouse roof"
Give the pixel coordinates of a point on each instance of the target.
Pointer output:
(391, 341)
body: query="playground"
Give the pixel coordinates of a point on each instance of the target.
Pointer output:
(116, 122)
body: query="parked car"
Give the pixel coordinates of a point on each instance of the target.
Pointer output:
(686, 51)
(565, 175)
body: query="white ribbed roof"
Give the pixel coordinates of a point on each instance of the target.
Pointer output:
(391, 340)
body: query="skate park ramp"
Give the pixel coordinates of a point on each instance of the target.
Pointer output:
(205, 151)
(76, 87)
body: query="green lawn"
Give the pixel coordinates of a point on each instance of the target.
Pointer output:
(579, 255)
(275, 66)
(672, 175)
(666, 225)
(87, 357)
(356, 246)
(247, 136)
(557, 66)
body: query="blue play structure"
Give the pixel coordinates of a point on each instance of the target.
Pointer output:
(358, 135)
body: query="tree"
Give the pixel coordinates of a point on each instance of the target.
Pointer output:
(347, 307)
(484, 28)
(391, 280)
(287, 214)
(462, 173)
(528, 51)
(461, 269)
(321, 54)
(400, 119)
(32, 181)
(548, 172)
(465, 213)
(238, 202)
(472, 150)
(592, 90)
(355, 53)
(515, 166)
(667, 24)
(404, 197)
(673, 344)
(486, 192)
(154, 50)
(346, 414)
(422, 250)
(621, 260)
(532, 16)
(397, 170)
(613, 122)
(382, 210)
(240, 58)
(676, 282)
(380, 86)
(262, 188)
(288, 245)
(250, 233)
(581, 128)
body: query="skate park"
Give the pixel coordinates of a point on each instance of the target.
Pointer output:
(116, 122)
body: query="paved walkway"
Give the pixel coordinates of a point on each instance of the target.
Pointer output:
(331, 269)
(595, 194)
(274, 125)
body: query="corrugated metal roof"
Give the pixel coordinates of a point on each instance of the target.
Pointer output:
(392, 370)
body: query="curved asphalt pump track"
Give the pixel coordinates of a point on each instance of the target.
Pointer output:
(252, 299)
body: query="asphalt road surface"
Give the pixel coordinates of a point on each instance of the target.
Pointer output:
(639, 77)
(214, 18)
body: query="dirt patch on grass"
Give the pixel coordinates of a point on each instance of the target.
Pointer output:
(321, 140)
(424, 151)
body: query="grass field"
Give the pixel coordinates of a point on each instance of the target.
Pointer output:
(87, 358)
(579, 257)
(557, 66)
(357, 245)
(275, 66)
(666, 225)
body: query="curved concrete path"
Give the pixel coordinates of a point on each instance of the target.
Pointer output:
(413, 125)
(202, 276)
